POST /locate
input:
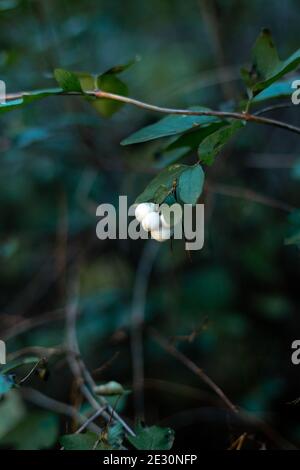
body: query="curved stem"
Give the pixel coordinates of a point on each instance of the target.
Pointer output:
(244, 116)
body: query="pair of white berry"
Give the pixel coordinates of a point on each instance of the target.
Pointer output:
(152, 221)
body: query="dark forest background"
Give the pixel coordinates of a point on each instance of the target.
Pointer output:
(233, 307)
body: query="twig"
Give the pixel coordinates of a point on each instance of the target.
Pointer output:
(244, 116)
(39, 399)
(238, 443)
(89, 420)
(250, 419)
(32, 370)
(250, 195)
(78, 367)
(30, 323)
(36, 350)
(273, 107)
(137, 318)
(194, 368)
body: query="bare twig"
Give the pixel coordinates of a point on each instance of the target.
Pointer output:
(273, 107)
(30, 323)
(194, 368)
(90, 420)
(250, 419)
(79, 369)
(32, 371)
(244, 116)
(39, 399)
(249, 195)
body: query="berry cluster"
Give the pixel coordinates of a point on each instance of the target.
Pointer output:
(153, 221)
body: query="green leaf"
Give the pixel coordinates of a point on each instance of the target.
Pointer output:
(185, 143)
(38, 430)
(109, 82)
(170, 125)
(115, 435)
(159, 188)
(116, 69)
(110, 388)
(12, 412)
(190, 185)
(85, 441)
(6, 383)
(19, 363)
(276, 90)
(212, 145)
(152, 438)
(67, 80)
(266, 64)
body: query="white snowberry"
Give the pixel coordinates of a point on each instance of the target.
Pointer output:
(143, 209)
(151, 221)
(161, 235)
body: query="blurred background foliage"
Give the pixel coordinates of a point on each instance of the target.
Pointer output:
(60, 159)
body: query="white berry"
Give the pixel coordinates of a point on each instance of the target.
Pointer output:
(161, 235)
(143, 209)
(151, 221)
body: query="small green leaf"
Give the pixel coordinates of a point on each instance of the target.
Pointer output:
(212, 145)
(266, 64)
(110, 83)
(110, 388)
(190, 185)
(67, 80)
(87, 441)
(185, 143)
(159, 188)
(276, 90)
(170, 125)
(12, 412)
(115, 435)
(152, 438)
(88, 82)
(37, 430)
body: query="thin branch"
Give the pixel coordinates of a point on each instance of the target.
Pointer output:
(79, 369)
(89, 420)
(244, 116)
(39, 399)
(31, 372)
(250, 419)
(189, 112)
(249, 195)
(194, 368)
(273, 107)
